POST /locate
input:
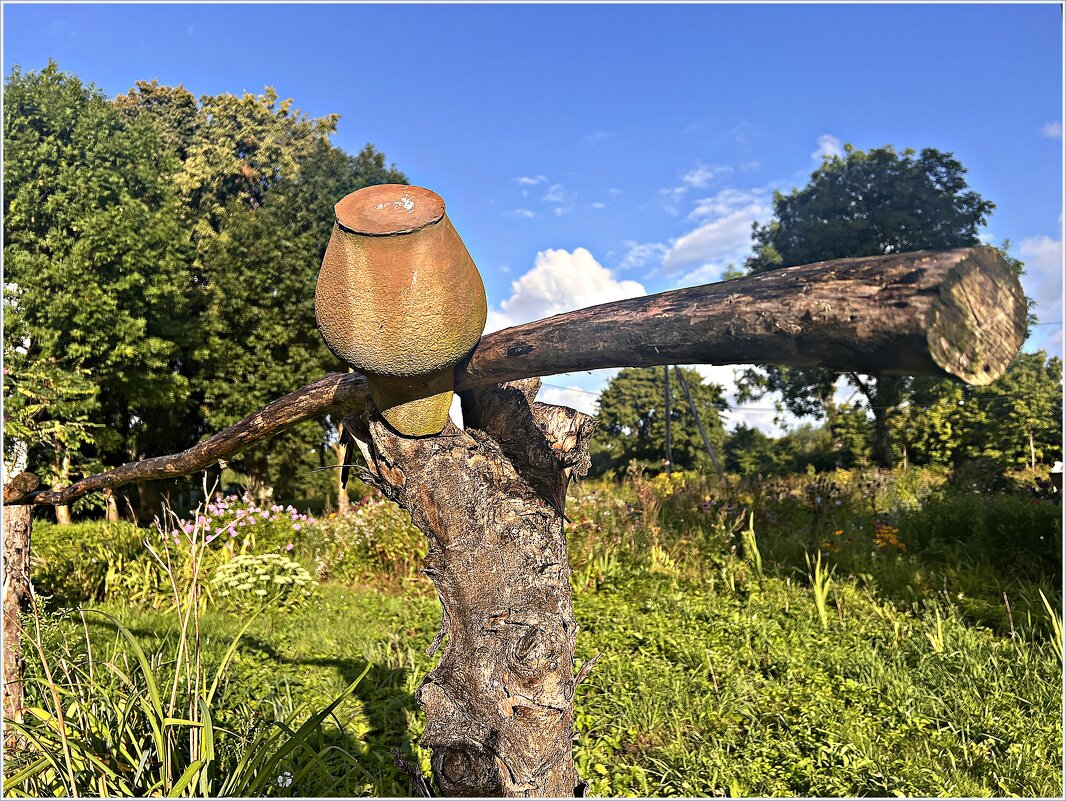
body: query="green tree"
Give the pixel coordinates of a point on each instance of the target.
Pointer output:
(95, 261)
(633, 423)
(1014, 422)
(750, 452)
(863, 203)
(258, 181)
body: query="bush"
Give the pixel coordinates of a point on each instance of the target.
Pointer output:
(376, 538)
(93, 561)
(239, 525)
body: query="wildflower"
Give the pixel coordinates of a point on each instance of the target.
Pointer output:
(838, 532)
(289, 547)
(232, 531)
(295, 526)
(187, 527)
(285, 779)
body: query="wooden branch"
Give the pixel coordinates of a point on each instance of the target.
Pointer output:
(335, 393)
(954, 313)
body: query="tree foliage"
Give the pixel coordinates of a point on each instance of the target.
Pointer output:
(94, 257)
(168, 246)
(1014, 422)
(633, 421)
(863, 203)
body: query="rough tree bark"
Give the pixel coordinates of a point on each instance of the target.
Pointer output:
(500, 704)
(16, 589)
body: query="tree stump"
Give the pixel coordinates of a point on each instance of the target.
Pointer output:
(16, 589)
(500, 704)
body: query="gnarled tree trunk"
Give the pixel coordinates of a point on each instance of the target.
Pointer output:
(500, 704)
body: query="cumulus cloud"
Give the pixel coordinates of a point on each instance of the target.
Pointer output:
(828, 145)
(573, 396)
(560, 281)
(723, 236)
(527, 180)
(555, 194)
(1052, 130)
(521, 213)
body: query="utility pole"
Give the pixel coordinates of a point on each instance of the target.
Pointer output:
(699, 423)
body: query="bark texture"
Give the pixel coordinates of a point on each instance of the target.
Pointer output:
(500, 704)
(16, 588)
(957, 313)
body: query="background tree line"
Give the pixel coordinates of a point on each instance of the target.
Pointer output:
(856, 204)
(160, 257)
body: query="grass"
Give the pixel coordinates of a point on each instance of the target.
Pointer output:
(750, 645)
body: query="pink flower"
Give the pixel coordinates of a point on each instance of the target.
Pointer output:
(289, 547)
(295, 526)
(232, 531)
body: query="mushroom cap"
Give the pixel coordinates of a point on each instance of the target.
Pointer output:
(398, 294)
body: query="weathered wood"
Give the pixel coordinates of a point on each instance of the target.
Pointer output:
(500, 704)
(957, 313)
(334, 393)
(954, 313)
(16, 588)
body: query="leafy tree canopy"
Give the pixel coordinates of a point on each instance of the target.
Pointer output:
(633, 421)
(863, 203)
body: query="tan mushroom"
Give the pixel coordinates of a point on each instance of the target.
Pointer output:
(400, 300)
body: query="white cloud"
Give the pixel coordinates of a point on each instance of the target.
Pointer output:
(572, 396)
(724, 235)
(555, 194)
(828, 145)
(595, 137)
(598, 205)
(526, 180)
(642, 254)
(1052, 130)
(701, 176)
(523, 213)
(1043, 257)
(560, 281)
(670, 198)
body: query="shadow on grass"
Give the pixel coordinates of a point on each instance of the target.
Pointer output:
(384, 700)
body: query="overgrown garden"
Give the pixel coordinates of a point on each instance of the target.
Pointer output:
(867, 605)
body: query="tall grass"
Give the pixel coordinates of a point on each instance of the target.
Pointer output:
(135, 724)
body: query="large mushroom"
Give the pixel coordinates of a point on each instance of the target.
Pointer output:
(400, 300)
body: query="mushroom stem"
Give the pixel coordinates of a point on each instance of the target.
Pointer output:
(416, 406)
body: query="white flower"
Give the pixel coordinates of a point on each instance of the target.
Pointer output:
(285, 779)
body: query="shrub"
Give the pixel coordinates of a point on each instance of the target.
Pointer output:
(375, 538)
(93, 561)
(239, 525)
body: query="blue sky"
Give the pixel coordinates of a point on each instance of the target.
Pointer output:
(589, 152)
